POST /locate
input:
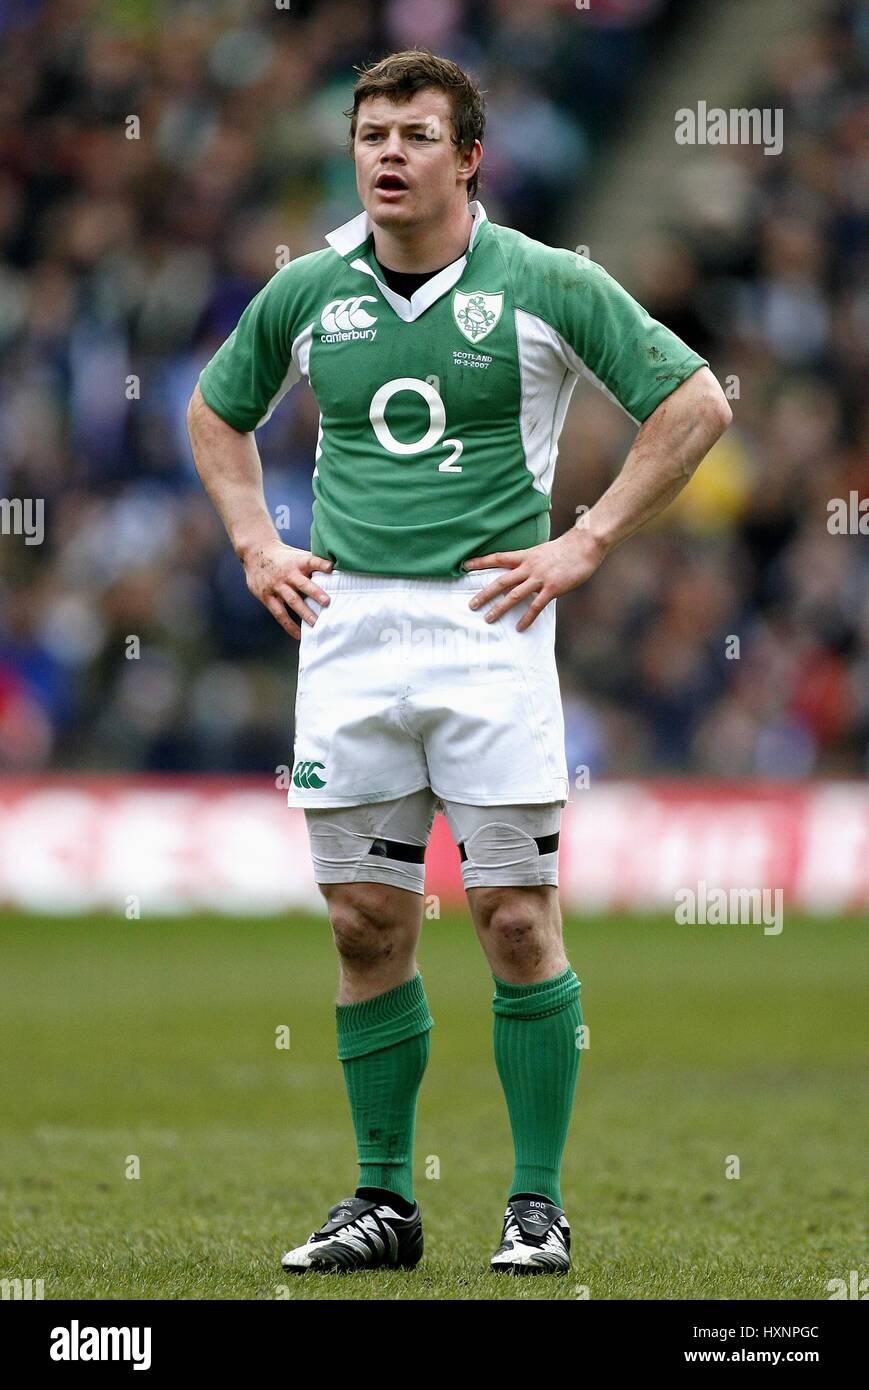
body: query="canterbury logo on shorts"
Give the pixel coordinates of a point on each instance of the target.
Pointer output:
(306, 774)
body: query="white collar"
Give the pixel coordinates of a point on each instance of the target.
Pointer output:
(354, 233)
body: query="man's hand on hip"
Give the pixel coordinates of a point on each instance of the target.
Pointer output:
(278, 575)
(547, 570)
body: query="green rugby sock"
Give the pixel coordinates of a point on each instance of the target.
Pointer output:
(384, 1046)
(537, 1058)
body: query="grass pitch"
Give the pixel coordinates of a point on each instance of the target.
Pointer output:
(155, 1041)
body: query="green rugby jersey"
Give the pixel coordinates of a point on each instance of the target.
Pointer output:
(439, 415)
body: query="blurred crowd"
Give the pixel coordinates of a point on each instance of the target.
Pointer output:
(731, 637)
(154, 157)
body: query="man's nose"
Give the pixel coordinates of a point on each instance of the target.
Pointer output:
(393, 149)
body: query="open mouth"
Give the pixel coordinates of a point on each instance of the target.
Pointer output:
(390, 183)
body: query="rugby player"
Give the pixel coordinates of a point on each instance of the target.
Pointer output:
(442, 350)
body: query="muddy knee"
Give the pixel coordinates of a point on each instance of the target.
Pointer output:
(368, 926)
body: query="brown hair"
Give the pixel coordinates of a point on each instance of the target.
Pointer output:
(401, 75)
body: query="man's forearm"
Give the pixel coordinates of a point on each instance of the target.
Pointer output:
(668, 447)
(229, 465)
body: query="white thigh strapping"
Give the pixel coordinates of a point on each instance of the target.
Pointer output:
(506, 846)
(383, 842)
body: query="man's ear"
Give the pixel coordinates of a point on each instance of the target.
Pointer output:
(469, 161)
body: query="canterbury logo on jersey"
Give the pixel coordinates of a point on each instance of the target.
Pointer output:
(306, 775)
(345, 320)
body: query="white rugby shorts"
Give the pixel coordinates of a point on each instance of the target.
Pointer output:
(403, 686)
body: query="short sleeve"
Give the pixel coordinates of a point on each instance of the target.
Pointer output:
(630, 355)
(254, 367)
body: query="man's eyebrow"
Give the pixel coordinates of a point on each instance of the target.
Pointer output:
(422, 121)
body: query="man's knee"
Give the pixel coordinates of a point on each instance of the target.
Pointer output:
(370, 922)
(521, 925)
(516, 914)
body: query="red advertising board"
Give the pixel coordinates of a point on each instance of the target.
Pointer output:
(231, 845)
